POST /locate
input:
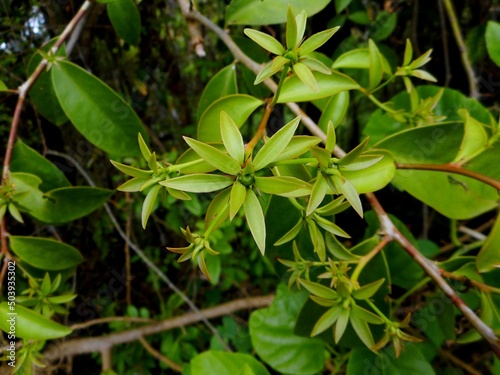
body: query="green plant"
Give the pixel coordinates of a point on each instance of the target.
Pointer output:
(344, 303)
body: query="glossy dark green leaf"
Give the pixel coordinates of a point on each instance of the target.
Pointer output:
(25, 159)
(489, 256)
(42, 93)
(239, 107)
(340, 5)
(222, 84)
(30, 325)
(410, 361)
(126, 20)
(257, 12)
(272, 333)
(383, 25)
(224, 363)
(101, 115)
(492, 37)
(294, 90)
(255, 219)
(44, 253)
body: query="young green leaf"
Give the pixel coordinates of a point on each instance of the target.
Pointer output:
(291, 234)
(282, 185)
(366, 315)
(144, 148)
(212, 156)
(298, 145)
(338, 250)
(318, 193)
(255, 219)
(341, 325)
(319, 290)
(276, 144)
(352, 196)
(316, 65)
(15, 212)
(331, 138)
(199, 183)
(301, 20)
(333, 208)
(354, 153)
(291, 29)
(408, 53)
(238, 195)
(231, 137)
(131, 171)
(375, 69)
(368, 290)
(266, 41)
(148, 204)
(317, 240)
(266, 72)
(317, 40)
(135, 184)
(322, 155)
(362, 162)
(330, 227)
(361, 328)
(306, 76)
(218, 209)
(326, 320)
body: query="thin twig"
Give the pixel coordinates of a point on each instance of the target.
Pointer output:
(155, 353)
(457, 361)
(444, 40)
(452, 168)
(87, 345)
(110, 319)
(141, 254)
(457, 33)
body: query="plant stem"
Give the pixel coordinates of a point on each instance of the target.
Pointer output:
(366, 258)
(457, 33)
(378, 103)
(284, 74)
(377, 310)
(261, 130)
(452, 168)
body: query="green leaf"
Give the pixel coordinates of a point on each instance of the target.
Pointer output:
(275, 145)
(25, 159)
(42, 93)
(15, 212)
(334, 207)
(224, 363)
(231, 137)
(366, 315)
(214, 157)
(331, 138)
(330, 227)
(319, 290)
(492, 37)
(239, 107)
(361, 327)
(126, 20)
(368, 290)
(257, 12)
(317, 240)
(294, 90)
(255, 219)
(301, 20)
(148, 204)
(146, 153)
(341, 325)
(383, 25)
(266, 41)
(338, 250)
(317, 40)
(199, 183)
(352, 196)
(375, 70)
(132, 171)
(489, 256)
(340, 5)
(44, 253)
(354, 153)
(272, 334)
(221, 85)
(283, 185)
(3, 86)
(238, 195)
(134, 184)
(297, 146)
(408, 53)
(218, 209)
(100, 114)
(318, 193)
(326, 320)
(475, 137)
(28, 324)
(291, 30)
(306, 76)
(359, 59)
(290, 235)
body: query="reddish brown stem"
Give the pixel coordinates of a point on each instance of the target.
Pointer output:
(452, 168)
(434, 273)
(261, 130)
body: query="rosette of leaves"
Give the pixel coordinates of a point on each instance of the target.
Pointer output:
(7, 198)
(242, 175)
(144, 179)
(296, 55)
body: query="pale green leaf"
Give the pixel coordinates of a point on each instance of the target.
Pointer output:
(131, 171)
(326, 320)
(276, 144)
(238, 195)
(317, 40)
(282, 185)
(331, 138)
(361, 328)
(148, 204)
(266, 41)
(341, 325)
(316, 65)
(214, 157)
(317, 240)
(318, 193)
(352, 196)
(375, 69)
(15, 212)
(266, 72)
(135, 184)
(144, 147)
(366, 315)
(255, 219)
(334, 207)
(492, 37)
(318, 289)
(306, 76)
(291, 29)
(218, 209)
(330, 227)
(408, 53)
(489, 255)
(290, 235)
(298, 145)
(231, 137)
(301, 20)
(354, 153)
(199, 183)
(368, 290)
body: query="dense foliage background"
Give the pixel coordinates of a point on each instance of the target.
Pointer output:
(162, 78)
